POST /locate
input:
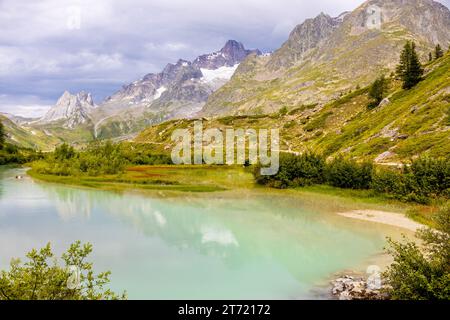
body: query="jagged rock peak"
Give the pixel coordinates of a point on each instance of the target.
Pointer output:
(305, 37)
(73, 109)
(231, 54)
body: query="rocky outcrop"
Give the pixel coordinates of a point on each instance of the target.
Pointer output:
(303, 38)
(354, 288)
(72, 110)
(231, 54)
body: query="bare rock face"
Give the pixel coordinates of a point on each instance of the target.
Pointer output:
(384, 102)
(231, 54)
(305, 37)
(72, 109)
(384, 156)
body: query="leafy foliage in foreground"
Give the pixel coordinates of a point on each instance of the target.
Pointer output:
(422, 274)
(98, 158)
(42, 278)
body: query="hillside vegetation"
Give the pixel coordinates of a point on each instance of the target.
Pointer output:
(406, 124)
(28, 138)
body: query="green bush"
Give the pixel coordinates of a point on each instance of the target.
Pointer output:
(426, 178)
(377, 92)
(43, 278)
(432, 176)
(349, 174)
(422, 273)
(97, 159)
(13, 154)
(295, 171)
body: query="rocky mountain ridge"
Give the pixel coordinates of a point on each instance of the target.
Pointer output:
(179, 90)
(174, 76)
(326, 57)
(71, 109)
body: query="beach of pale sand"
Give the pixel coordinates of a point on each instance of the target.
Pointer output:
(385, 217)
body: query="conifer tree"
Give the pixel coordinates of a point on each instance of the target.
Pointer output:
(438, 53)
(430, 57)
(409, 69)
(377, 92)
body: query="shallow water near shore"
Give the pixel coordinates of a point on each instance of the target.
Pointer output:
(241, 244)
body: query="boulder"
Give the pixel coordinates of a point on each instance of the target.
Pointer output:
(384, 102)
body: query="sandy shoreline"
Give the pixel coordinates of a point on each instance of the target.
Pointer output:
(389, 218)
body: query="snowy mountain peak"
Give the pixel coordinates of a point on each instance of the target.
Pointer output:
(233, 46)
(180, 90)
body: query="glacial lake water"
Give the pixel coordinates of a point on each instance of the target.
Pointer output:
(227, 245)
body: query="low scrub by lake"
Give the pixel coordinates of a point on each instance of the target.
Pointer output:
(423, 180)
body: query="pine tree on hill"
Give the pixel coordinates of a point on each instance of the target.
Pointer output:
(438, 52)
(430, 57)
(409, 69)
(416, 70)
(377, 92)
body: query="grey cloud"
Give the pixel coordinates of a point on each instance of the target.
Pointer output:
(43, 52)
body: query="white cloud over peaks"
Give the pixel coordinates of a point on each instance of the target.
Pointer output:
(49, 46)
(25, 106)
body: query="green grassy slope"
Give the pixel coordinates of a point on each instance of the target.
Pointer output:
(80, 135)
(27, 137)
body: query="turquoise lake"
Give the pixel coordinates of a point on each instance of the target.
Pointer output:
(226, 245)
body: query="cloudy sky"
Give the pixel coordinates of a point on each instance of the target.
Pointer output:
(50, 46)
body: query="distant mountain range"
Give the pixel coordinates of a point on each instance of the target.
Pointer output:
(323, 59)
(407, 124)
(180, 90)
